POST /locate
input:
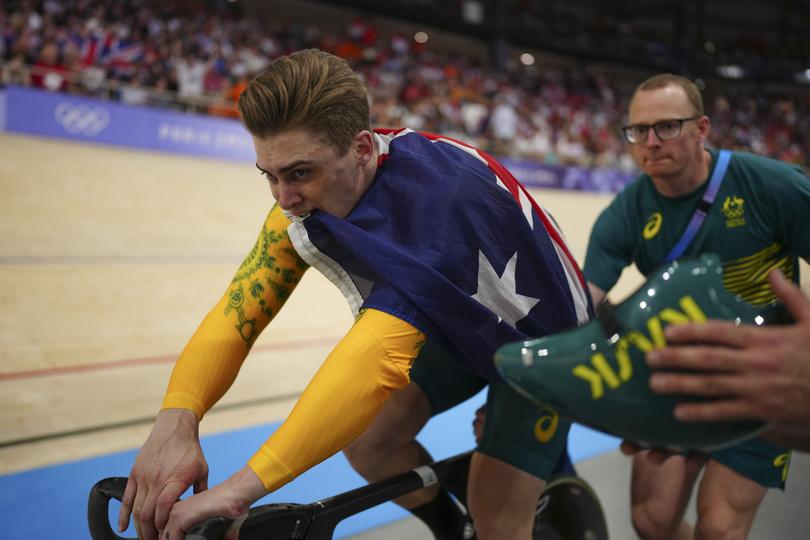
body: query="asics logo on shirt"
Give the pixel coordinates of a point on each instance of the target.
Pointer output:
(653, 226)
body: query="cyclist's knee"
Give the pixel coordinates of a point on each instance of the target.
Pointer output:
(718, 530)
(653, 522)
(502, 500)
(366, 448)
(722, 523)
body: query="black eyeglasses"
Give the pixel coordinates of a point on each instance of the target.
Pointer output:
(665, 130)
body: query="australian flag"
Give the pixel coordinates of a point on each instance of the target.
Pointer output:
(446, 239)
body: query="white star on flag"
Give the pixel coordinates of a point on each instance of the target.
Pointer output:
(499, 293)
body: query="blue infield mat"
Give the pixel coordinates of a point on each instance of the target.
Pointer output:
(51, 502)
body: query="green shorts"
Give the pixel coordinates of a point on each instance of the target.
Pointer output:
(516, 431)
(765, 463)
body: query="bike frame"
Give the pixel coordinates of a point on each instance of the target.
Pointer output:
(287, 521)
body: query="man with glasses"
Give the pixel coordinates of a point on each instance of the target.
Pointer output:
(752, 212)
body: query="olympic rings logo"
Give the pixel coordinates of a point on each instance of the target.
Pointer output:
(81, 119)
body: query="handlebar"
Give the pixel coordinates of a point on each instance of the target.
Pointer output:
(113, 488)
(284, 521)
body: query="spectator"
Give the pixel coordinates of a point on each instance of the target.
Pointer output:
(15, 72)
(48, 73)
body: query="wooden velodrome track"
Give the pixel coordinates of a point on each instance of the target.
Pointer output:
(109, 258)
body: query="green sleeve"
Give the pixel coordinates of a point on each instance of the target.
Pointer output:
(790, 204)
(608, 251)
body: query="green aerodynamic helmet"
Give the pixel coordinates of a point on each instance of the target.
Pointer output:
(596, 373)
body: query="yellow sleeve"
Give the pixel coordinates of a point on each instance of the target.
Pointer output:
(346, 393)
(210, 362)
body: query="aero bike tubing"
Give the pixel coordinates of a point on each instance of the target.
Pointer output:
(328, 513)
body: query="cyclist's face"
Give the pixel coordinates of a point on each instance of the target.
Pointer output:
(305, 173)
(660, 158)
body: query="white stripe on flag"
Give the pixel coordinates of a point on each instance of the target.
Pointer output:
(324, 264)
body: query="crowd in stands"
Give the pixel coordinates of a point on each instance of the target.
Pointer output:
(185, 55)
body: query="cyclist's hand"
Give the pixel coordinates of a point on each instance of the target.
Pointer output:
(169, 462)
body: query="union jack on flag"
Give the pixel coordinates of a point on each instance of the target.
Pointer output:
(103, 49)
(449, 241)
(125, 52)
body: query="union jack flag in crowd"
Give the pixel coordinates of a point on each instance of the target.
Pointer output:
(108, 49)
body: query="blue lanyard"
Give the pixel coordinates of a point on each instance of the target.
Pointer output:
(703, 208)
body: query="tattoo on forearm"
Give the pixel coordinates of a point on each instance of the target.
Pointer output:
(246, 327)
(259, 272)
(259, 257)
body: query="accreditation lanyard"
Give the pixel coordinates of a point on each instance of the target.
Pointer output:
(703, 208)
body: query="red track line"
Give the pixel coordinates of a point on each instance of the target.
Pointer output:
(129, 362)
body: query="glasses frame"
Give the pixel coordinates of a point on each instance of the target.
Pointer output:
(655, 127)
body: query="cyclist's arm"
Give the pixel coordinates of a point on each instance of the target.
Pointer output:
(210, 362)
(371, 361)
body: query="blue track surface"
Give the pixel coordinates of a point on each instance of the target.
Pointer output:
(51, 502)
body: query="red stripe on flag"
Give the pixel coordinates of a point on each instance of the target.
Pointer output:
(512, 183)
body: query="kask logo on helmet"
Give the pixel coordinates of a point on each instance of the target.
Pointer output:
(81, 119)
(601, 373)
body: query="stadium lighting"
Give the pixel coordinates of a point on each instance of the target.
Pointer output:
(731, 71)
(421, 37)
(527, 59)
(803, 76)
(472, 11)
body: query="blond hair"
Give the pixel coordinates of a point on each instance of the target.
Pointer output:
(668, 79)
(311, 90)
